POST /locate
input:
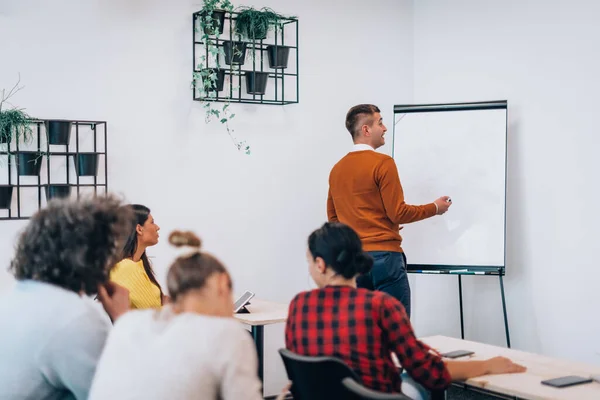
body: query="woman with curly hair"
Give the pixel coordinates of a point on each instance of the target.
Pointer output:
(134, 271)
(53, 334)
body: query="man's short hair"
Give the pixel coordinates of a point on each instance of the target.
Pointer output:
(355, 117)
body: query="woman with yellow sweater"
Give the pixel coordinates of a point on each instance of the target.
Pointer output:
(134, 271)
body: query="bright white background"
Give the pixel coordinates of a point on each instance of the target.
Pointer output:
(128, 62)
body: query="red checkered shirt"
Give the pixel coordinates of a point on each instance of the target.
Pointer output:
(362, 328)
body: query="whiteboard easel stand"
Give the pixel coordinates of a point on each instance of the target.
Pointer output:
(465, 270)
(462, 269)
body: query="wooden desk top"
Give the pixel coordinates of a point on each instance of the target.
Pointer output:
(263, 313)
(526, 385)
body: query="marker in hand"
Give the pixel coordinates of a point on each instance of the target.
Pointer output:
(442, 204)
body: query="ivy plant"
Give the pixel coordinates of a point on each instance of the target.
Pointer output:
(205, 78)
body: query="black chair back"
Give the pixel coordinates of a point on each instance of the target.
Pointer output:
(316, 378)
(356, 391)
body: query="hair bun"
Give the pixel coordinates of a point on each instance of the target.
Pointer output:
(363, 262)
(187, 238)
(342, 258)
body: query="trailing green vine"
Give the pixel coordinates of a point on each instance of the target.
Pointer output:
(205, 78)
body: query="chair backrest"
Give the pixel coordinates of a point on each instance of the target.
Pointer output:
(316, 378)
(356, 391)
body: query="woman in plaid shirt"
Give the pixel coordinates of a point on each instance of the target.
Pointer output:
(363, 327)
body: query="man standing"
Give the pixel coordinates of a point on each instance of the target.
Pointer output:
(365, 193)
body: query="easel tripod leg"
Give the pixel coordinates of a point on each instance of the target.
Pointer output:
(504, 310)
(462, 323)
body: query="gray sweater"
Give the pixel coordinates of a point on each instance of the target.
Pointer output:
(50, 342)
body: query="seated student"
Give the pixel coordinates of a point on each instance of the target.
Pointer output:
(52, 334)
(134, 271)
(189, 349)
(363, 327)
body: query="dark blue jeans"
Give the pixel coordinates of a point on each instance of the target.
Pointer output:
(388, 275)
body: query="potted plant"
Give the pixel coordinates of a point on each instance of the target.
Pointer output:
(256, 82)
(86, 164)
(255, 24)
(216, 18)
(214, 79)
(60, 190)
(58, 131)
(235, 52)
(278, 56)
(5, 196)
(29, 163)
(14, 121)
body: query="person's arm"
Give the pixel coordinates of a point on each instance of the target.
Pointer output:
(114, 299)
(393, 196)
(69, 359)
(463, 370)
(331, 214)
(240, 379)
(425, 366)
(415, 357)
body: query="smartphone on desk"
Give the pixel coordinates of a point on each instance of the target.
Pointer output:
(457, 353)
(565, 381)
(242, 301)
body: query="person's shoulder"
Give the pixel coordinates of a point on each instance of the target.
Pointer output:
(125, 264)
(137, 318)
(367, 157)
(67, 304)
(383, 159)
(305, 295)
(79, 316)
(125, 268)
(224, 329)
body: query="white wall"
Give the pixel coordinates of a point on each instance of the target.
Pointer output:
(542, 57)
(128, 62)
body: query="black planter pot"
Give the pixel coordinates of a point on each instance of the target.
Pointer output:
(59, 132)
(86, 164)
(278, 56)
(218, 20)
(29, 163)
(236, 53)
(57, 191)
(256, 82)
(220, 79)
(5, 196)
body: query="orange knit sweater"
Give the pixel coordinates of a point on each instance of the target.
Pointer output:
(365, 193)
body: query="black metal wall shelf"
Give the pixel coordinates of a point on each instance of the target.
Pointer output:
(282, 82)
(22, 165)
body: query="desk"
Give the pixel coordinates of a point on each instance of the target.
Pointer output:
(262, 313)
(526, 385)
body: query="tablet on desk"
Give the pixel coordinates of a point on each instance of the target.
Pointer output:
(565, 381)
(238, 306)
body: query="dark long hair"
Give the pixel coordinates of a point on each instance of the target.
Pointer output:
(140, 216)
(340, 247)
